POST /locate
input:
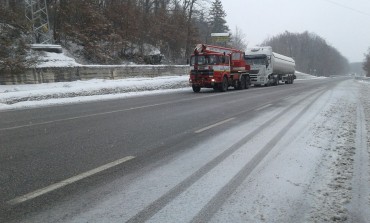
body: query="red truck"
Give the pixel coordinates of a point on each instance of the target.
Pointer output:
(218, 68)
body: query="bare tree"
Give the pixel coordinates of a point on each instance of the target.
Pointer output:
(311, 52)
(238, 39)
(189, 6)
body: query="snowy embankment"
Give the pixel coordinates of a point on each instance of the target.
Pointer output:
(48, 59)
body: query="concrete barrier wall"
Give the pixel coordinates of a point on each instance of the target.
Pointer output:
(66, 74)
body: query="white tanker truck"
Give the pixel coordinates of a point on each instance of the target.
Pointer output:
(269, 68)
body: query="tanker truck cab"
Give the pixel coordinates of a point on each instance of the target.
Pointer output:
(269, 68)
(261, 68)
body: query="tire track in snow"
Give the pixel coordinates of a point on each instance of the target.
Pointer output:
(359, 208)
(161, 202)
(218, 200)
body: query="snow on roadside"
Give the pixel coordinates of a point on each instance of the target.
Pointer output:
(365, 99)
(331, 191)
(17, 96)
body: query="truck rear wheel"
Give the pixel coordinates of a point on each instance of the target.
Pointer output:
(196, 89)
(224, 85)
(243, 83)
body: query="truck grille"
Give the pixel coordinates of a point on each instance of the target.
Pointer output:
(201, 72)
(253, 71)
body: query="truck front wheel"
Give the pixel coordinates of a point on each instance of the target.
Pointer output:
(196, 89)
(224, 85)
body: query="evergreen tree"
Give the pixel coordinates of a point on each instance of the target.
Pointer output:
(14, 36)
(217, 18)
(366, 64)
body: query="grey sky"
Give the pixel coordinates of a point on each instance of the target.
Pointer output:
(343, 24)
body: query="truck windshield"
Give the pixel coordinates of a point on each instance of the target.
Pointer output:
(205, 60)
(256, 60)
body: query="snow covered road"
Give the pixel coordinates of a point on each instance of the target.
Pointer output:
(303, 158)
(320, 173)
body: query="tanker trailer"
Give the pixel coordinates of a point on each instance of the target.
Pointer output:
(269, 68)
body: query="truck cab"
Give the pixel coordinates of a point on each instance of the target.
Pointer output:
(269, 68)
(218, 68)
(261, 68)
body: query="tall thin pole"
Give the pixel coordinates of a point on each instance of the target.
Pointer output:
(37, 13)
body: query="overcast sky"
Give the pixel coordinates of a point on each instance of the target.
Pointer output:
(343, 24)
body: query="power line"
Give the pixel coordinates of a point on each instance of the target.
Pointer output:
(347, 7)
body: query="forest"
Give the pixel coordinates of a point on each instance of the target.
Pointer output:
(313, 55)
(112, 31)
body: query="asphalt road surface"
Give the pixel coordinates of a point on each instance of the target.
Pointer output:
(59, 163)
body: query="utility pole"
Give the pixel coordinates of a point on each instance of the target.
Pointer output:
(37, 13)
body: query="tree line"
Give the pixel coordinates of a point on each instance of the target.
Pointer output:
(311, 52)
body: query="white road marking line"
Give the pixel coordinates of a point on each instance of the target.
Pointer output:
(63, 183)
(214, 125)
(265, 106)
